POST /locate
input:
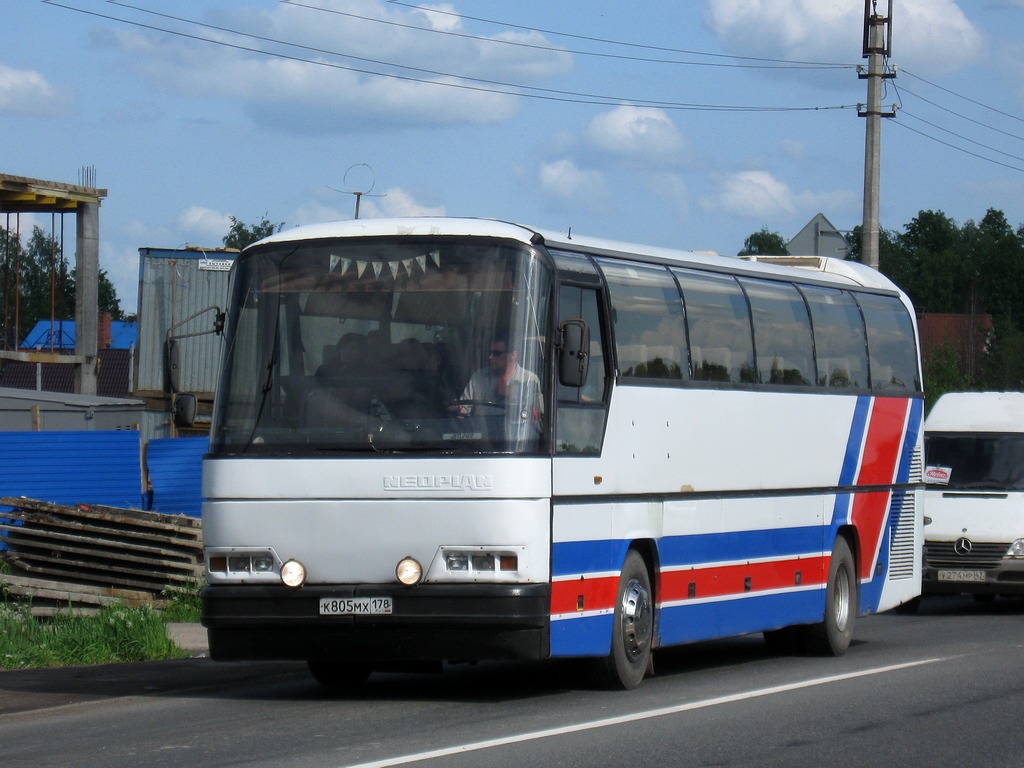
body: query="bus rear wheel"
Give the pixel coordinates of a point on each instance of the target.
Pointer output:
(339, 677)
(833, 635)
(633, 627)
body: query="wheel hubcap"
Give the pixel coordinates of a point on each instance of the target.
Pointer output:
(637, 624)
(842, 599)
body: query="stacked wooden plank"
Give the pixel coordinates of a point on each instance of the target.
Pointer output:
(77, 556)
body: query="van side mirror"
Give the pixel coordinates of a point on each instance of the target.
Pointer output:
(573, 352)
(184, 410)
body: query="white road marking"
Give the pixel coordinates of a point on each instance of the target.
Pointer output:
(462, 749)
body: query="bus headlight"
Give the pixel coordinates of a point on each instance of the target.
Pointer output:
(1016, 549)
(409, 571)
(293, 574)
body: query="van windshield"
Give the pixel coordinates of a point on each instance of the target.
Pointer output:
(385, 344)
(992, 461)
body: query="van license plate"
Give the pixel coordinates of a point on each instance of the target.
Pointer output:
(961, 575)
(355, 606)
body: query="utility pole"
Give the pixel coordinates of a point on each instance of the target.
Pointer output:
(877, 48)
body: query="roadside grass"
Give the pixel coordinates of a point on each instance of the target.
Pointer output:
(119, 633)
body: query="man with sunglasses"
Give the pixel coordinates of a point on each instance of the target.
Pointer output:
(505, 386)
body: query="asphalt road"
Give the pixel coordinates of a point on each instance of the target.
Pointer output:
(940, 688)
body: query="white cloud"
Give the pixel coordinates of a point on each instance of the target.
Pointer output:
(26, 93)
(441, 16)
(375, 65)
(317, 212)
(566, 182)
(203, 225)
(397, 202)
(753, 195)
(636, 132)
(932, 35)
(759, 196)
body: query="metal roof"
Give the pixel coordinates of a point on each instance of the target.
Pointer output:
(62, 334)
(22, 195)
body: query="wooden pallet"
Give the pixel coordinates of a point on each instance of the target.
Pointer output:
(89, 550)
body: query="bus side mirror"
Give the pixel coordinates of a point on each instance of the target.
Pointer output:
(573, 355)
(184, 410)
(172, 365)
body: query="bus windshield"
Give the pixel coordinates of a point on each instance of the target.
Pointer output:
(385, 344)
(993, 461)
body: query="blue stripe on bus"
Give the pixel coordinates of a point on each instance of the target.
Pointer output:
(583, 636)
(910, 440)
(855, 441)
(575, 557)
(570, 558)
(738, 545)
(722, 618)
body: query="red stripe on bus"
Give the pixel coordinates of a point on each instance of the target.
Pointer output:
(878, 467)
(720, 581)
(883, 442)
(583, 594)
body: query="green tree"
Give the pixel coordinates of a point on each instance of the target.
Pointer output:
(241, 234)
(996, 255)
(39, 286)
(943, 373)
(764, 243)
(1003, 365)
(928, 260)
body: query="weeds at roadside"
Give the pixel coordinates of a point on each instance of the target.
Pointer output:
(117, 634)
(182, 603)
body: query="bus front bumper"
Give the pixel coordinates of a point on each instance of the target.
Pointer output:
(431, 622)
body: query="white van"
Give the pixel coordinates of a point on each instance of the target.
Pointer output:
(974, 495)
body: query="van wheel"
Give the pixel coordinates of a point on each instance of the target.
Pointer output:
(833, 635)
(632, 628)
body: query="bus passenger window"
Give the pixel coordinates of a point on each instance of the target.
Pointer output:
(782, 333)
(891, 351)
(840, 343)
(717, 315)
(647, 313)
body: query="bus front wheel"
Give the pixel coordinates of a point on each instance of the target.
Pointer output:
(833, 635)
(633, 627)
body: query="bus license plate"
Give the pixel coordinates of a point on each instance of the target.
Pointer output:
(355, 606)
(961, 575)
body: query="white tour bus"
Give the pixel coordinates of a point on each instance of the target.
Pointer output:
(455, 440)
(974, 495)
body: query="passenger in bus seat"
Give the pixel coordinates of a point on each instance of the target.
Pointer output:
(349, 357)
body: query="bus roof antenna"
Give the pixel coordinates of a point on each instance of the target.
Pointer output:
(359, 194)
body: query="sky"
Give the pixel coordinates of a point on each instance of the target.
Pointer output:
(679, 123)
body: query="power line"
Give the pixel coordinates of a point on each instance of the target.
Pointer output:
(961, 136)
(761, 63)
(962, 117)
(965, 98)
(957, 148)
(525, 91)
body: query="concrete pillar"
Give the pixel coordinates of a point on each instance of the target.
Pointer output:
(87, 295)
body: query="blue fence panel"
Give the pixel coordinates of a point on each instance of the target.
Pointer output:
(175, 467)
(73, 467)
